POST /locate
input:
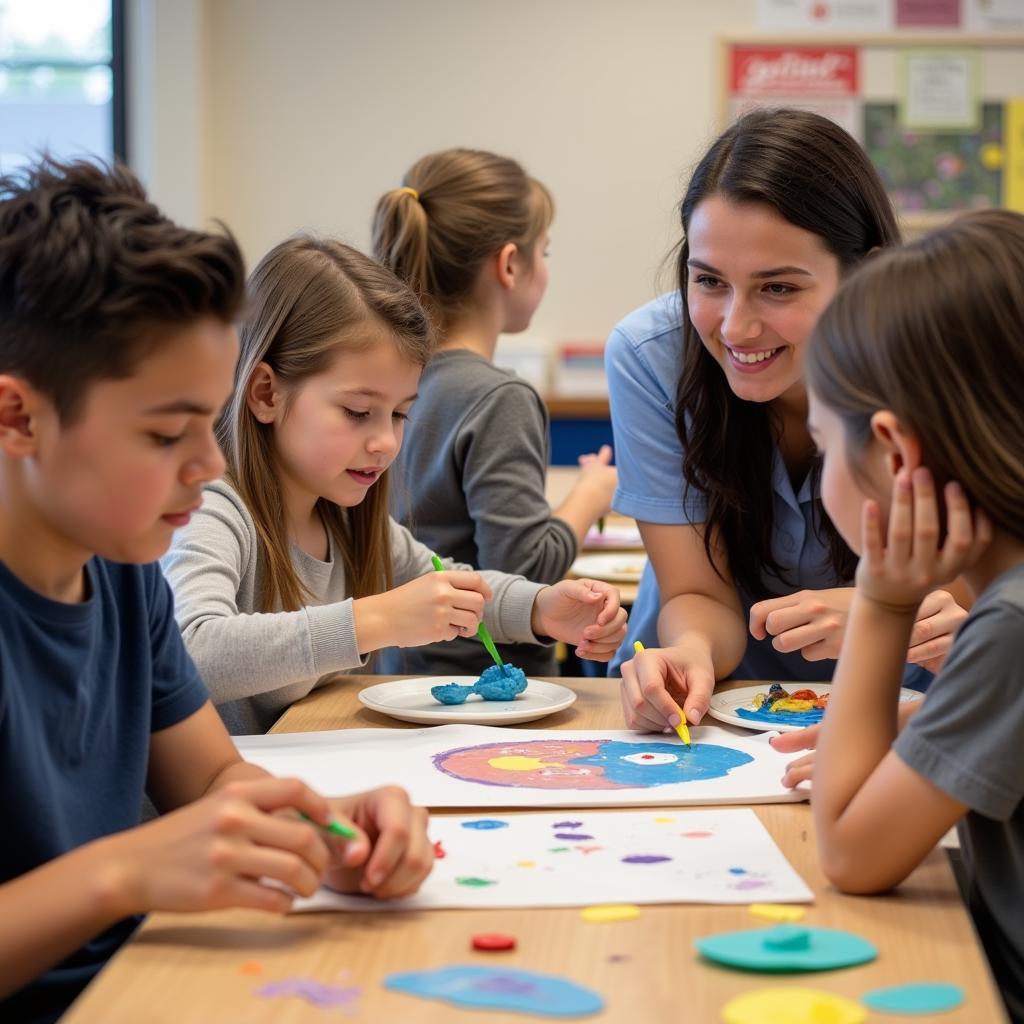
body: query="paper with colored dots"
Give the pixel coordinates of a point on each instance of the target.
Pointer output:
(583, 858)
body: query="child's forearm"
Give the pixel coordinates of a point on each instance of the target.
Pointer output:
(582, 506)
(862, 720)
(48, 913)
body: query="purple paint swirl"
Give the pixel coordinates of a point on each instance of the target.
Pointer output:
(572, 835)
(316, 992)
(644, 858)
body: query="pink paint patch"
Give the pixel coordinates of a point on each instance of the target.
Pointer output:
(696, 835)
(553, 758)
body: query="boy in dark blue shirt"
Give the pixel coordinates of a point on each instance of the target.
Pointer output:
(117, 351)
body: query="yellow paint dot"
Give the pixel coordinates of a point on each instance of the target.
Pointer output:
(792, 1006)
(527, 863)
(777, 911)
(992, 156)
(518, 763)
(607, 912)
(664, 821)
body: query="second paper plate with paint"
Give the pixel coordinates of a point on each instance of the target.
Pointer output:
(727, 704)
(410, 701)
(622, 568)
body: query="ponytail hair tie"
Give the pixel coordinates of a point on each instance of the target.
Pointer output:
(411, 191)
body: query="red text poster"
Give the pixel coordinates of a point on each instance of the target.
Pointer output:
(792, 71)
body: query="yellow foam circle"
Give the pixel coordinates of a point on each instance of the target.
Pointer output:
(610, 912)
(777, 911)
(792, 1006)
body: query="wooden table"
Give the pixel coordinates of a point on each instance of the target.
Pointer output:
(186, 969)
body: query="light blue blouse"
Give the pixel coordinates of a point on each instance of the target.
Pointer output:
(643, 361)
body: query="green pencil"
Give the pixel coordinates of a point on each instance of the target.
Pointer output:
(334, 827)
(482, 632)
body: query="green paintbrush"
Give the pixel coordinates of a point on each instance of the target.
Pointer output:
(482, 631)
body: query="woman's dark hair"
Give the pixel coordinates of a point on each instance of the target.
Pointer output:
(815, 176)
(93, 276)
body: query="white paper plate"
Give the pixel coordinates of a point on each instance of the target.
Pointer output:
(410, 701)
(624, 568)
(724, 704)
(626, 538)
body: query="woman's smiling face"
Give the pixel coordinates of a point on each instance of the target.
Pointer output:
(757, 285)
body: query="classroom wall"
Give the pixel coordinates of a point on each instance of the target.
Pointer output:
(278, 116)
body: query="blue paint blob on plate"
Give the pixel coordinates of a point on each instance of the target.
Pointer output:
(450, 693)
(921, 997)
(501, 684)
(487, 988)
(485, 824)
(810, 717)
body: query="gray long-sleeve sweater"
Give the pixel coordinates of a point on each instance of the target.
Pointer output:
(469, 481)
(256, 664)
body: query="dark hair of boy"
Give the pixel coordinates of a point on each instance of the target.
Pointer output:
(93, 277)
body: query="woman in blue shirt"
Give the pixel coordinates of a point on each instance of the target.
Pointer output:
(709, 413)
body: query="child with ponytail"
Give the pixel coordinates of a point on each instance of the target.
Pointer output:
(468, 230)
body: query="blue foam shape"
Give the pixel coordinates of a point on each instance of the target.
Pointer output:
(759, 949)
(489, 988)
(920, 997)
(497, 684)
(451, 693)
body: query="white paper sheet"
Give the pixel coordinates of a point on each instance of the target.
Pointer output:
(573, 858)
(484, 766)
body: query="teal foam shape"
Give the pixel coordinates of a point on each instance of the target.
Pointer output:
(787, 948)
(920, 997)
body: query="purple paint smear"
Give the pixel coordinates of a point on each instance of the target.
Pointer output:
(504, 984)
(567, 824)
(644, 858)
(750, 883)
(571, 835)
(316, 992)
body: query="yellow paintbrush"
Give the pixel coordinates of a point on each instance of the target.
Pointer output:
(681, 730)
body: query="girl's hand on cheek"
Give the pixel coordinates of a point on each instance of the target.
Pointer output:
(898, 572)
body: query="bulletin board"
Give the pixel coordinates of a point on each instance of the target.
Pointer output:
(941, 116)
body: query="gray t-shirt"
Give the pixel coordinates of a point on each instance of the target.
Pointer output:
(470, 484)
(256, 664)
(968, 739)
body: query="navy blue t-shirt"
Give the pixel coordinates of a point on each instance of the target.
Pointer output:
(82, 686)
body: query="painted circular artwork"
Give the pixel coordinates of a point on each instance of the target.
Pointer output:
(588, 764)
